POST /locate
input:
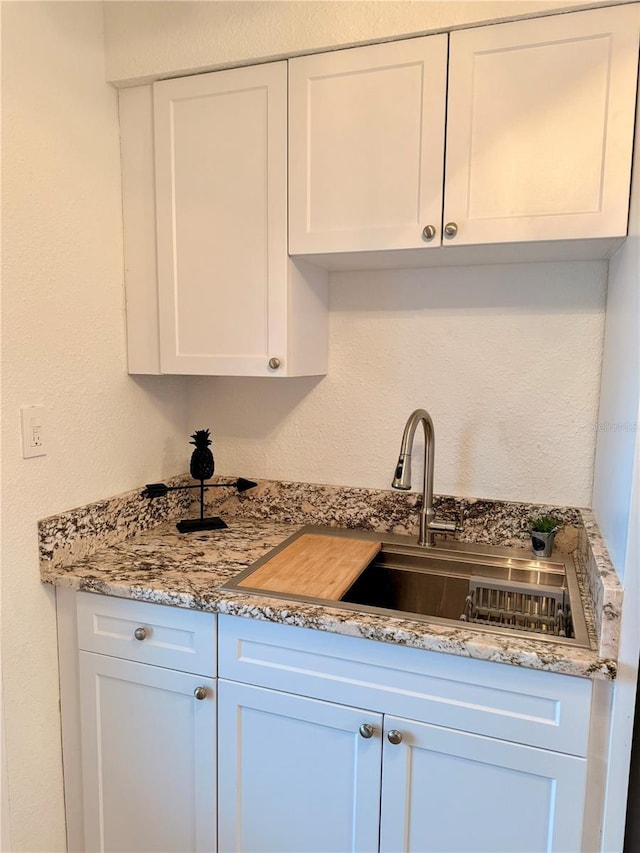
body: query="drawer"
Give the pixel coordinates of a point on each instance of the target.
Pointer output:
(166, 636)
(527, 706)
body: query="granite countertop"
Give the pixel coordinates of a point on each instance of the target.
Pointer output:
(160, 565)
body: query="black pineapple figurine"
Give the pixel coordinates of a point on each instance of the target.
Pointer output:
(201, 468)
(202, 464)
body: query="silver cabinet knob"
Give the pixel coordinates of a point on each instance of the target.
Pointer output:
(428, 232)
(394, 736)
(140, 633)
(200, 692)
(366, 731)
(450, 229)
(274, 363)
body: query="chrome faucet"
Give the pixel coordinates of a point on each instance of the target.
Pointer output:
(402, 476)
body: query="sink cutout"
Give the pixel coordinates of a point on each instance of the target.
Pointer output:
(500, 590)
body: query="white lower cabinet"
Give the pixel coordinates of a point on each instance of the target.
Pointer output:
(148, 757)
(138, 700)
(295, 774)
(321, 744)
(304, 773)
(307, 775)
(445, 790)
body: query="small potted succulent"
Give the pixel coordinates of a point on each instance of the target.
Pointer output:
(543, 531)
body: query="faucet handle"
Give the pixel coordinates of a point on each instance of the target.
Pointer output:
(441, 526)
(444, 526)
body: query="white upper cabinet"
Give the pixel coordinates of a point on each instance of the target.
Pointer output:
(366, 141)
(221, 183)
(539, 132)
(540, 127)
(220, 177)
(229, 299)
(503, 143)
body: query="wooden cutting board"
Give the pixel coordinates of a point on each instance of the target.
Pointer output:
(314, 565)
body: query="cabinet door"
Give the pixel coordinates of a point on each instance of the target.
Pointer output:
(366, 143)
(148, 757)
(295, 774)
(446, 791)
(221, 159)
(540, 127)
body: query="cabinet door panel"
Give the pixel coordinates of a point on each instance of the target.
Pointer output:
(366, 137)
(540, 127)
(221, 156)
(295, 775)
(446, 791)
(148, 758)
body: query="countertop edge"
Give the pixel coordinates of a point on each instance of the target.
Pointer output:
(531, 654)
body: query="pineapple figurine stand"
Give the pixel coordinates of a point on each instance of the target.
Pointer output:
(201, 468)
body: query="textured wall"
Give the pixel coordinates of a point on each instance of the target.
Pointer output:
(150, 39)
(63, 347)
(616, 504)
(620, 396)
(505, 358)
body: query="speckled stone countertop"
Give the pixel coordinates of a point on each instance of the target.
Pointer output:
(122, 556)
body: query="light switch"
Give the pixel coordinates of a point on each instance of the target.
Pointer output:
(33, 431)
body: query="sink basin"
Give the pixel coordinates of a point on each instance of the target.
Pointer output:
(495, 591)
(479, 587)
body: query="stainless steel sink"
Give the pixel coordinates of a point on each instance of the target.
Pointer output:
(501, 590)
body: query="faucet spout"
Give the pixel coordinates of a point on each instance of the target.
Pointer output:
(402, 475)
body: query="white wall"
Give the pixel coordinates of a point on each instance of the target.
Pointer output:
(625, 699)
(63, 347)
(146, 40)
(616, 498)
(620, 392)
(505, 358)
(5, 829)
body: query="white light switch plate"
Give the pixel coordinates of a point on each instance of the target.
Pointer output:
(33, 431)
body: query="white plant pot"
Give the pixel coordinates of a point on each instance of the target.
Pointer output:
(542, 543)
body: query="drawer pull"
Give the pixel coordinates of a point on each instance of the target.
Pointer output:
(200, 692)
(140, 634)
(428, 232)
(366, 731)
(394, 736)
